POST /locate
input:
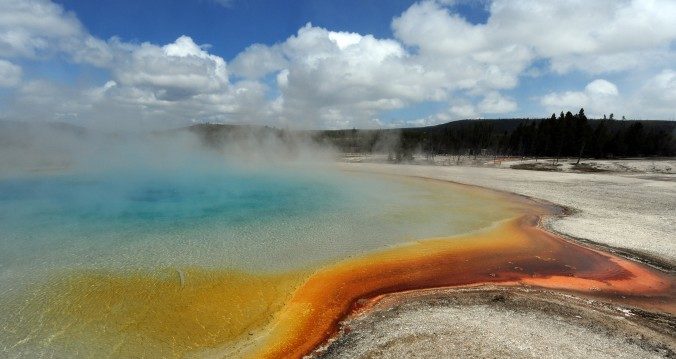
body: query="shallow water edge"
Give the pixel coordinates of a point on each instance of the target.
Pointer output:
(229, 313)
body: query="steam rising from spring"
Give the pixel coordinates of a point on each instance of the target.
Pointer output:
(49, 147)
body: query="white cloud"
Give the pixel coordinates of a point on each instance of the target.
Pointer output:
(174, 71)
(28, 27)
(150, 85)
(466, 56)
(324, 78)
(555, 101)
(10, 74)
(115, 106)
(39, 28)
(257, 61)
(601, 88)
(40, 100)
(337, 78)
(592, 36)
(654, 98)
(598, 97)
(494, 102)
(459, 111)
(613, 62)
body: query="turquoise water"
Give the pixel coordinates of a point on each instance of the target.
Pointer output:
(220, 217)
(191, 219)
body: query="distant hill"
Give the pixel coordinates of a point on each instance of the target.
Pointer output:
(567, 135)
(564, 136)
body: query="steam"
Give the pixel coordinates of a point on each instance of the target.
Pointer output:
(57, 148)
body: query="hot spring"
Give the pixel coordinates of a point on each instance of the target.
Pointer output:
(172, 260)
(252, 219)
(161, 247)
(207, 257)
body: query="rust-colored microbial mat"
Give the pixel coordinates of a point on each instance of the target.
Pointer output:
(212, 313)
(516, 252)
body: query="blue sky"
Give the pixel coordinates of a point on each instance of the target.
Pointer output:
(332, 64)
(230, 29)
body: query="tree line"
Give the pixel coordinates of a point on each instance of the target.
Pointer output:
(565, 135)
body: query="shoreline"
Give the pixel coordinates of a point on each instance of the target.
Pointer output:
(427, 315)
(616, 219)
(513, 253)
(363, 330)
(609, 285)
(562, 211)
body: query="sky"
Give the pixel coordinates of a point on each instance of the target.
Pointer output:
(333, 64)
